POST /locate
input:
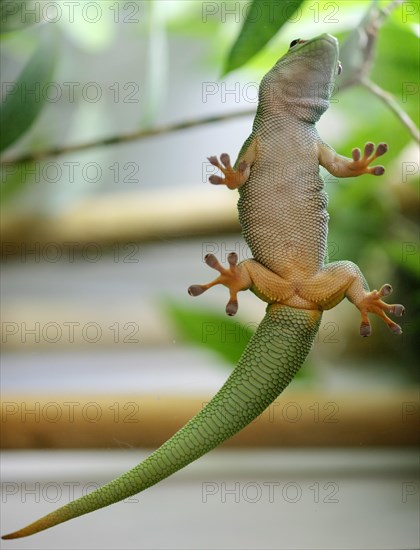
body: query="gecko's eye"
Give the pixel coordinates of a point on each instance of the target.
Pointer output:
(294, 42)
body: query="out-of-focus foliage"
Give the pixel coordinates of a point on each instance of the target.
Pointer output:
(211, 330)
(12, 15)
(263, 21)
(16, 116)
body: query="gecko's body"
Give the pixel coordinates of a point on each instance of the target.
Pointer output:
(282, 209)
(282, 205)
(280, 188)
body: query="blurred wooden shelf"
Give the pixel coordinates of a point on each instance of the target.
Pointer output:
(296, 419)
(122, 217)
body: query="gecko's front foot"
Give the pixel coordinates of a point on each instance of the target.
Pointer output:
(372, 303)
(360, 166)
(235, 278)
(233, 178)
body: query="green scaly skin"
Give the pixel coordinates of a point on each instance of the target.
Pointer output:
(271, 359)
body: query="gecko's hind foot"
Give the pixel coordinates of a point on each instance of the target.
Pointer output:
(233, 178)
(372, 303)
(361, 165)
(234, 278)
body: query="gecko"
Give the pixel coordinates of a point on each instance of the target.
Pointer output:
(282, 211)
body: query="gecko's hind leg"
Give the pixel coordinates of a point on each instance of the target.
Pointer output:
(372, 303)
(344, 279)
(235, 278)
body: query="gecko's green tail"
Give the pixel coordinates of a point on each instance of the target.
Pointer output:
(268, 364)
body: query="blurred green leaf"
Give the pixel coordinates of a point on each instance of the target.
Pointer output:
(215, 332)
(25, 99)
(263, 21)
(14, 17)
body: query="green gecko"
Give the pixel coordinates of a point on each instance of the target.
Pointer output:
(282, 209)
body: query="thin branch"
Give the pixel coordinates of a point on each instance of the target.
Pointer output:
(388, 99)
(391, 6)
(364, 39)
(123, 138)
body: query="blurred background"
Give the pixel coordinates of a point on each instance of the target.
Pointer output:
(109, 111)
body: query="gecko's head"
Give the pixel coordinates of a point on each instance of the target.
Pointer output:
(301, 82)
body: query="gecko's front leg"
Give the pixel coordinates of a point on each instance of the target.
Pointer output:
(344, 167)
(233, 178)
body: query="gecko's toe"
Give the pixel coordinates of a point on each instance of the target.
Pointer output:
(365, 330)
(378, 171)
(396, 329)
(225, 160)
(369, 148)
(232, 307)
(398, 310)
(385, 290)
(213, 160)
(216, 180)
(211, 260)
(232, 259)
(196, 290)
(381, 149)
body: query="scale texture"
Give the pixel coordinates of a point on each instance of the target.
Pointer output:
(269, 362)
